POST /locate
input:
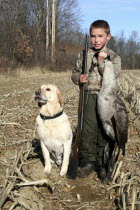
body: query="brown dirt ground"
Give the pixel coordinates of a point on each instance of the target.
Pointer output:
(18, 112)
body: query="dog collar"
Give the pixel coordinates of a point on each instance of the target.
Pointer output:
(51, 117)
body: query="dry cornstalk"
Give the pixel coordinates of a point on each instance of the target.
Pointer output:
(16, 200)
(117, 171)
(38, 182)
(115, 185)
(21, 204)
(123, 201)
(21, 175)
(133, 197)
(10, 123)
(65, 205)
(28, 151)
(7, 191)
(128, 189)
(114, 171)
(122, 180)
(11, 183)
(83, 206)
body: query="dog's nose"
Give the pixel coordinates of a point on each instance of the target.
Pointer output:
(37, 92)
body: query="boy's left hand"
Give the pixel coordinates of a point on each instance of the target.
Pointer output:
(102, 55)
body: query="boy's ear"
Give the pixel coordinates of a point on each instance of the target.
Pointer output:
(108, 37)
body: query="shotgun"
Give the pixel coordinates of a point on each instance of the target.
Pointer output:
(73, 162)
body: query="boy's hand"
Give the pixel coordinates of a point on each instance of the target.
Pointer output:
(102, 55)
(83, 78)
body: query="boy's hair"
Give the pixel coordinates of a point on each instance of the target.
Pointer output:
(100, 24)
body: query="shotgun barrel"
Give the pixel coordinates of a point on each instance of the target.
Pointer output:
(73, 162)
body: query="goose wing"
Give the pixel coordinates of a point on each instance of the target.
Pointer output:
(121, 124)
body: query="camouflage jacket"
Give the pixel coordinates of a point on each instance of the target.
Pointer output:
(95, 69)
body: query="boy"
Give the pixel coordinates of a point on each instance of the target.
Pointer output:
(94, 140)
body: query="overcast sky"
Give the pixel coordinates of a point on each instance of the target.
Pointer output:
(122, 15)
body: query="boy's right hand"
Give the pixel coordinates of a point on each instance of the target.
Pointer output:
(102, 55)
(83, 78)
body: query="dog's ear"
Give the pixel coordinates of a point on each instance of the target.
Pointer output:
(60, 97)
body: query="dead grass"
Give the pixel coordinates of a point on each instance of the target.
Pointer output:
(134, 71)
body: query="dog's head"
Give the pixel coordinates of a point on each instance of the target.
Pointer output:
(48, 93)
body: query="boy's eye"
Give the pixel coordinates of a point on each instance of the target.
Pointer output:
(92, 36)
(48, 89)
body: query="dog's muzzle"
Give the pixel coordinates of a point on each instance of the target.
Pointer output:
(38, 97)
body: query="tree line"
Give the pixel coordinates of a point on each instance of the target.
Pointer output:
(26, 35)
(128, 49)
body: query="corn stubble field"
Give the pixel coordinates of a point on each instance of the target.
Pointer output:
(23, 184)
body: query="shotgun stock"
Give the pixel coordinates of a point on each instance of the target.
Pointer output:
(73, 162)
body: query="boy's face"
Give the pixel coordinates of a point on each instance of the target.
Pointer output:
(99, 38)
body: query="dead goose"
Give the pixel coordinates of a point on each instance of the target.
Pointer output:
(111, 108)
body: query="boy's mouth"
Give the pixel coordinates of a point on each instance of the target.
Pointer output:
(96, 45)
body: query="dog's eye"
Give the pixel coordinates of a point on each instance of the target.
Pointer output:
(48, 89)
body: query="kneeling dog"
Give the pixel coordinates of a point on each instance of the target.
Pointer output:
(53, 128)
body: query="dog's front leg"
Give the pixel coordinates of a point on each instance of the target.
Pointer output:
(67, 151)
(47, 159)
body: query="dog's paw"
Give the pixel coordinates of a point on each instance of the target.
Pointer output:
(63, 172)
(47, 170)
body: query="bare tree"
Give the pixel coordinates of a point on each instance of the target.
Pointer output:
(67, 19)
(53, 31)
(47, 30)
(133, 50)
(13, 16)
(121, 48)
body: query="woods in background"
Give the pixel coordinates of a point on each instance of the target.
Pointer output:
(26, 35)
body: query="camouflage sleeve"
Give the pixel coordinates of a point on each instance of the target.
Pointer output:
(116, 60)
(76, 72)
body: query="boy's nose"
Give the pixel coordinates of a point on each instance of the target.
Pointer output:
(96, 39)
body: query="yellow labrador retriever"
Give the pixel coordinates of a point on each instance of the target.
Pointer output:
(53, 128)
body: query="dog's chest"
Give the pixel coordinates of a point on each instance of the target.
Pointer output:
(54, 146)
(51, 137)
(54, 129)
